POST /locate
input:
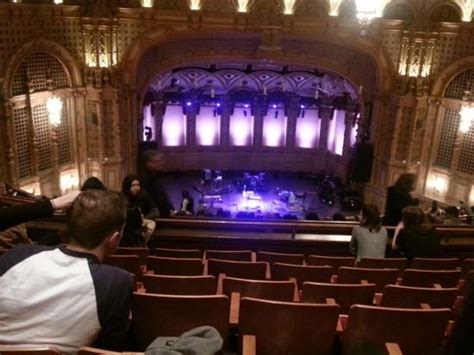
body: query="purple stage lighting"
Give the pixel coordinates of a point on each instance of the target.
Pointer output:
(274, 106)
(246, 105)
(189, 103)
(218, 104)
(302, 106)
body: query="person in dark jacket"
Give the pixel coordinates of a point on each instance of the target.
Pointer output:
(418, 237)
(138, 197)
(151, 182)
(399, 196)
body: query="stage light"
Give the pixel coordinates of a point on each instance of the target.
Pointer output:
(54, 105)
(302, 106)
(218, 104)
(246, 105)
(274, 106)
(189, 103)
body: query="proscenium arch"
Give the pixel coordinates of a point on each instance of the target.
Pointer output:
(153, 40)
(47, 46)
(448, 74)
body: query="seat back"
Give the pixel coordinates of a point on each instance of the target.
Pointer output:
(387, 263)
(412, 297)
(29, 350)
(140, 251)
(416, 331)
(178, 253)
(289, 328)
(428, 278)
(234, 255)
(240, 269)
(269, 290)
(467, 265)
(180, 285)
(335, 261)
(130, 263)
(170, 315)
(344, 295)
(435, 263)
(302, 273)
(175, 266)
(379, 277)
(297, 259)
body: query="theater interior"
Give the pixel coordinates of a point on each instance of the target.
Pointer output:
(269, 112)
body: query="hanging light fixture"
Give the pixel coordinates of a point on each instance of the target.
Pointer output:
(195, 5)
(289, 7)
(147, 3)
(366, 11)
(242, 6)
(54, 106)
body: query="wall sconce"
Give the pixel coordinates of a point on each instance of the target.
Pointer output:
(195, 5)
(147, 3)
(57, 2)
(243, 6)
(366, 11)
(54, 106)
(289, 7)
(466, 113)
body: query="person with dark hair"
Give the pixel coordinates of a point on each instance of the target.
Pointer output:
(151, 182)
(93, 183)
(64, 296)
(187, 204)
(369, 239)
(417, 237)
(137, 196)
(452, 215)
(399, 196)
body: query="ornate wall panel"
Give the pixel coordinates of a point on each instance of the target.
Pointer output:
(404, 138)
(466, 159)
(449, 49)
(93, 130)
(108, 129)
(22, 139)
(418, 134)
(42, 136)
(449, 130)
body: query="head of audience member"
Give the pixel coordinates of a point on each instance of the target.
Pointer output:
(131, 186)
(312, 216)
(451, 212)
(370, 218)
(93, 183)
(95, 222)
(413, 217)
(338, 217)
(185, 194)
(152, 161)
(406, 182)
(434, 206)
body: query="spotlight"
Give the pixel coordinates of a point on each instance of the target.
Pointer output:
(189, 103)
(274, 106)
(246, 105)
(301, 106)
(218, 104)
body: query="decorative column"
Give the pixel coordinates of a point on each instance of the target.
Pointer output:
(191, 125)
(293, 114)
(325, 115)
(349, 122)
(225, 123)
(159, 109)
(258, 110)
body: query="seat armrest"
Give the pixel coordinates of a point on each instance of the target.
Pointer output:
(330, 301)
(393, 349)
(249, 346)
(342, 323)
(425, 306)
(399, 281)
(437, 286)
(220, 282)
(458, 304)
(143, 269)
(333, 279)
(449, 329)
(364, 282)
(377, 298)
(234, 308)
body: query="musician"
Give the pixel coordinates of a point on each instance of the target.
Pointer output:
(13, 215)
(187, 204)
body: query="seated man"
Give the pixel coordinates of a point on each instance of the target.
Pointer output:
(63, 296)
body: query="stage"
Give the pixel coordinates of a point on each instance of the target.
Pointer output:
(259, 195)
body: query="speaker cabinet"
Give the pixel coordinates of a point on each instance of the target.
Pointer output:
(362, 162)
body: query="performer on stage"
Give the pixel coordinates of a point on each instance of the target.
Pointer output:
(187, 204)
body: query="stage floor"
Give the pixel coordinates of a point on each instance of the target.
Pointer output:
(257, 195)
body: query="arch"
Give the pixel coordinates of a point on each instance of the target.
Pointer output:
(153, 41)
(450, 73)
(50, 47)
(445, 12)
(399, 10)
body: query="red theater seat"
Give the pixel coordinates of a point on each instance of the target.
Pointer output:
(175, 266)
(180, 285)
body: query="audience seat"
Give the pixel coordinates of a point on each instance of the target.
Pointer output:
(467, 265)
(386, 263)
(130, 263)
(178, 253)
(282, 328)
(431, 278)
(335, 261)
(345, 295)
(171, 315)
(418, 297)
(301, 273)
(265, 289)
(175, 266)
(379, 277)
(140, 251)
(297, 259)
(416, 331)
(240, 269)
(29, 350)
(180, 285)
(435, 263)
(233, 255)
